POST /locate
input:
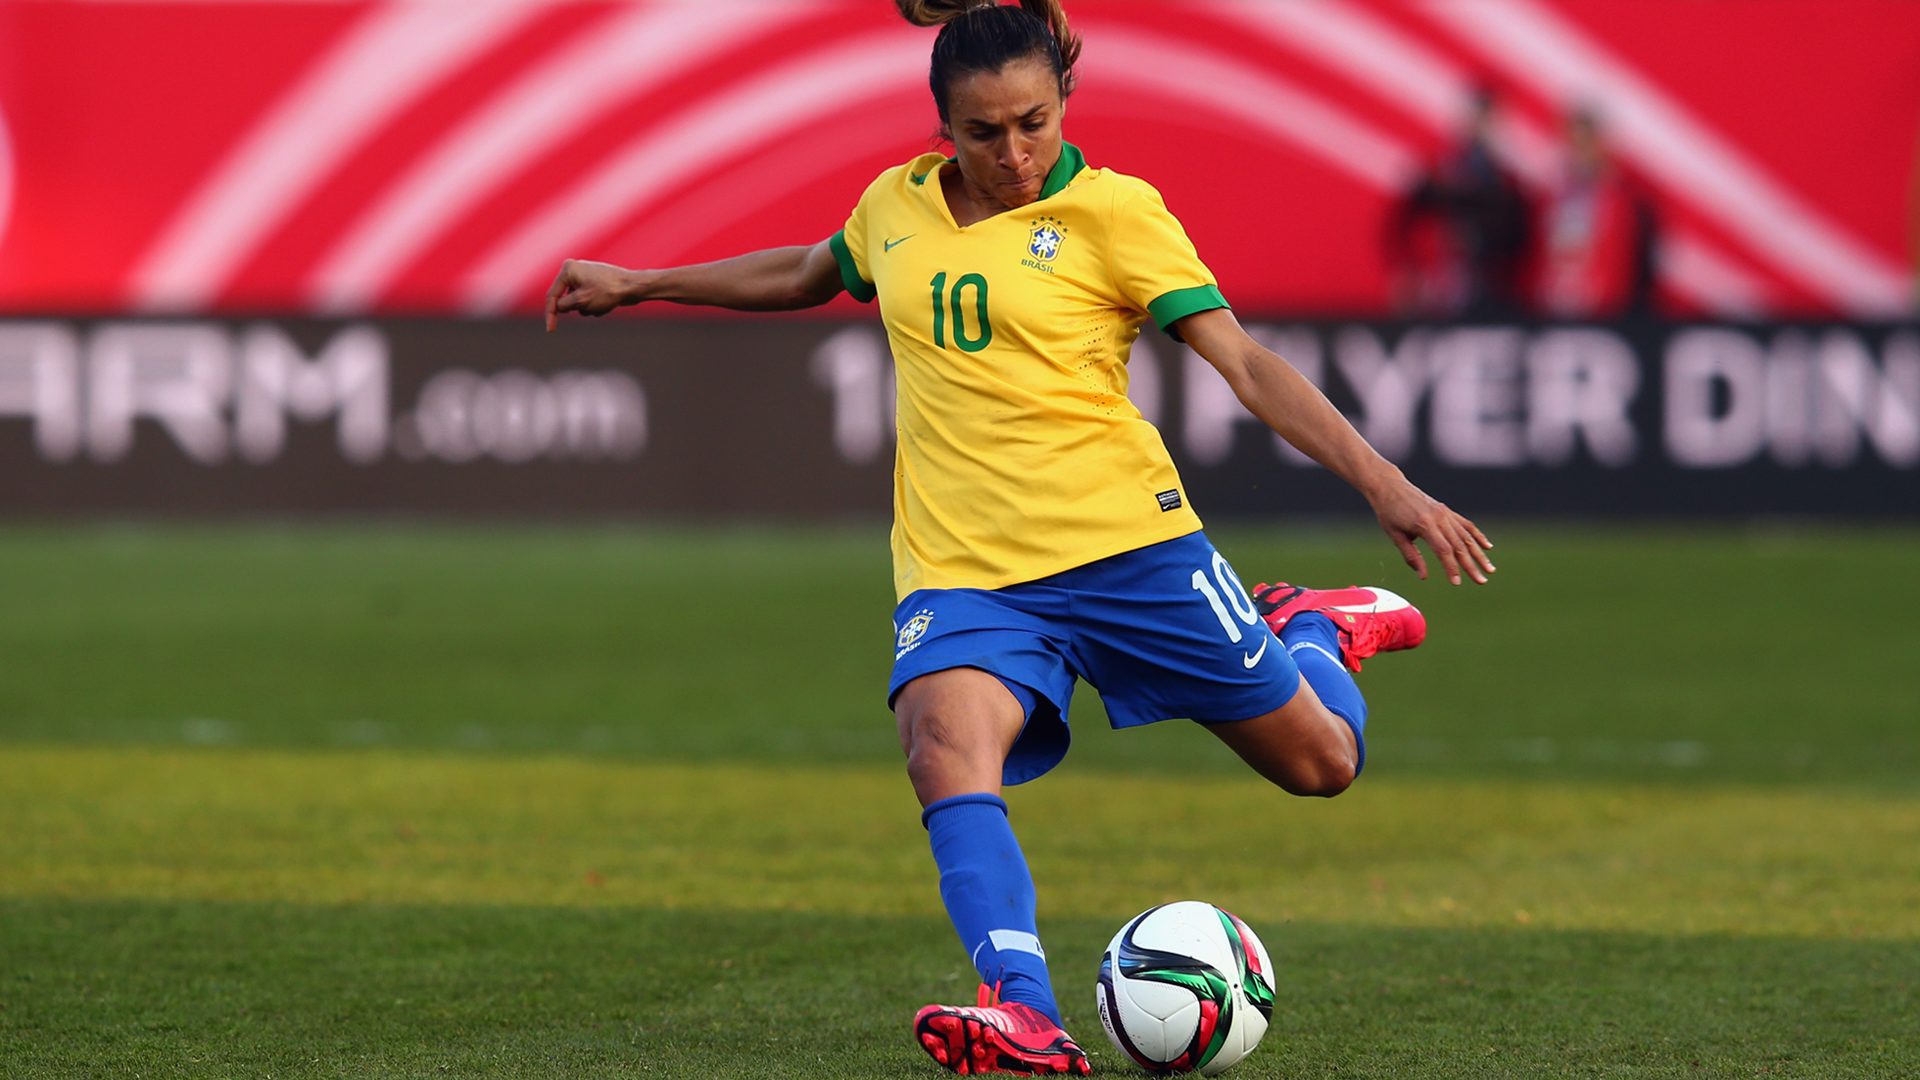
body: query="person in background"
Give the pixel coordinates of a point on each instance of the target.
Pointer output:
(1599, 234)
(1459, 241)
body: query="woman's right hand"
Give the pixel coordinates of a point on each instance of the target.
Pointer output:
(777, 279)
(590, 288)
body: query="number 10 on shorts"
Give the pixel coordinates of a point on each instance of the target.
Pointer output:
(1236, 594)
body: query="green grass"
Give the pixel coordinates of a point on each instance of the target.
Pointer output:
(1600, 652)
(364, 827)
(228, 913)
(193, 989)
(431, 801)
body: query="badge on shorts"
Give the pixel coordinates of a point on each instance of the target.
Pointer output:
(911, 633)
(1169, 500)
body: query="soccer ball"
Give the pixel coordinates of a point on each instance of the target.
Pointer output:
(1185, 987)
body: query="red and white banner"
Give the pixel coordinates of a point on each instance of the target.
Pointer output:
(441, 156)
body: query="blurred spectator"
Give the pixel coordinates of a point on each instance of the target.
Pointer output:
(1458, 243)
(1598, 232)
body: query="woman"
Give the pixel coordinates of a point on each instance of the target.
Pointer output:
(1041, 532)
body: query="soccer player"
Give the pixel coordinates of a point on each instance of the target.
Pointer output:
(1041, 532)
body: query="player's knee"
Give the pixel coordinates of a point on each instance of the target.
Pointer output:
(1332, 778)
(932, 739)
(961, 718)
(944, 758)
(1318, 785)
(1322, 772)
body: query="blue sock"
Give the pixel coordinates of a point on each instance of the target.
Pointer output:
(1314, 645)
(989, 895)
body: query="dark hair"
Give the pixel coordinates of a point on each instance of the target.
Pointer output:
(983, 35)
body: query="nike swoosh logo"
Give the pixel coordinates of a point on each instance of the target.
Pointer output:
(1255, 658)
(891, 244)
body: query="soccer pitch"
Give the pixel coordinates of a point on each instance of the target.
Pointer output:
(431, 801)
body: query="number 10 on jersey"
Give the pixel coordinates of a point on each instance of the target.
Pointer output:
(956, 302)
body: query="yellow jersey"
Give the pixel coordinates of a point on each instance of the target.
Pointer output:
(1019, 455)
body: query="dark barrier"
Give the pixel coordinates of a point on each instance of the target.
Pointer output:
(793, 417)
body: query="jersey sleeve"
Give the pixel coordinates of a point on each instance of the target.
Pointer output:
(1155, 266)
(850, 251)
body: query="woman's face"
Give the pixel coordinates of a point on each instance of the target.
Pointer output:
(1005, 127)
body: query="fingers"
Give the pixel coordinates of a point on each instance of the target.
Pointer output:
(1471, 545)
(1464, 552)
(1480, 546)
(1410, 553)
(1457, 543)
(554, 293)
(1443, 550)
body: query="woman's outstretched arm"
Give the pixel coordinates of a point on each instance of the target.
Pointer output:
(1272, 390)
(778, 279)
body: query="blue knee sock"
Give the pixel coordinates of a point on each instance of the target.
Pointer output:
(989, 896)
(1314, 645)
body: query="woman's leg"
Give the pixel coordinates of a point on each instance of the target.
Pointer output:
(1301, 746)
(1315, 743)
(957, 727)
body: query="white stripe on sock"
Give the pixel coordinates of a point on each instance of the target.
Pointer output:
(1321, 649)
(1014, 941)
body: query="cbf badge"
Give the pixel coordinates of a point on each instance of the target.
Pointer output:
(1043, 243)
(911, 633)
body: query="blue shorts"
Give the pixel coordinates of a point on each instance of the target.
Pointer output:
(1162, 632)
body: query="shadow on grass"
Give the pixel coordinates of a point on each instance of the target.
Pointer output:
(214, 990)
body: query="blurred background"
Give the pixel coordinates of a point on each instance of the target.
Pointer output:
(341, 605)
(1602, 256)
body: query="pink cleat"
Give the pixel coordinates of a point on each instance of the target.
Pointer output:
(1369, 620)
(997, 1038)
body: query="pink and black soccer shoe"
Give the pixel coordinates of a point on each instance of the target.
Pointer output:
(1369, 620)
(975, 1040)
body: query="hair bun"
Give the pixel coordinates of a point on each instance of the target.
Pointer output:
(937, 12)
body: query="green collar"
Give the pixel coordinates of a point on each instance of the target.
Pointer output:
(1071, 164)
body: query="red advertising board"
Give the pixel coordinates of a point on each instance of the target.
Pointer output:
(422, 157)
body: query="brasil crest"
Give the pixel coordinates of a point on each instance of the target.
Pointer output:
(1045, 239)
(910, 634)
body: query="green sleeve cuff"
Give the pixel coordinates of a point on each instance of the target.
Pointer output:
(1180, 303)
(858, 287)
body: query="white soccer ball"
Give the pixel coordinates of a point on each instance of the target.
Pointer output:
(1185, 987)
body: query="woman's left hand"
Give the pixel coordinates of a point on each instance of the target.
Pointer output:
(1408, 514)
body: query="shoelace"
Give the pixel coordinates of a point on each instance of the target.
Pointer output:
(1378, 634)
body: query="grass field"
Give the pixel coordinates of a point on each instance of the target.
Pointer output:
(428, 801)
